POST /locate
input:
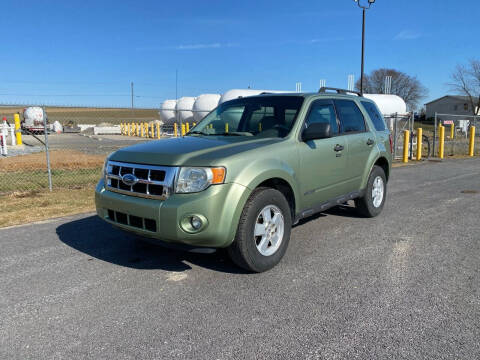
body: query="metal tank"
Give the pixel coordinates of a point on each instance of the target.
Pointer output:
(204, 104)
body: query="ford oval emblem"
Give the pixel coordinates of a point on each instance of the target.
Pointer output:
(129, 179)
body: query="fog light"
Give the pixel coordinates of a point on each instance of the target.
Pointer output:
(193, 223)
(196, 222)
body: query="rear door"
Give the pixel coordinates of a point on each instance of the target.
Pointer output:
(360, 141)
(322, 161)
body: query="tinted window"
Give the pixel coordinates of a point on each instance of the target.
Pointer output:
(323, 111)
(375, 115)
(351, 118)
(263, 116)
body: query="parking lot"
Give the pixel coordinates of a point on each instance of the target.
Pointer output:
(405, 285)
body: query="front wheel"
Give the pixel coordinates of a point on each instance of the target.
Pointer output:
(372, 202)
(263, 231)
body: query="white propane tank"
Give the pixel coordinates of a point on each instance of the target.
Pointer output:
(388, 104)
(204, 104)
(236, 93)
(167, 111)
(33, 116)
(184, 108)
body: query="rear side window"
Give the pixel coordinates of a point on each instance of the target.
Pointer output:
(351, 118)
(323, 111)
(375, 115)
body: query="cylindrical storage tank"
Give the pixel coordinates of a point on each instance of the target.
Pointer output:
(167, 111)
(388, 104)
(184, 108)
(204, 104)
(236, 93)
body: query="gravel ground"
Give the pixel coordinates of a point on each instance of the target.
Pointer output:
(90, 144)
(405, 285)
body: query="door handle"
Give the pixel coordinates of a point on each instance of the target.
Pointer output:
(338, 147)
(370, 142)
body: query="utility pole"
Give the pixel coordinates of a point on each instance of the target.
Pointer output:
(131, 90)
(364, 9)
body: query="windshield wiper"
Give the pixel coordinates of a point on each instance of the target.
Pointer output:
(239, 133)
(196, 133)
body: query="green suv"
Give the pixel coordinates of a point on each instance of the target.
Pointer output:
(248, 171)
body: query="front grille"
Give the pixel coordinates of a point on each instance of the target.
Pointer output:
(155, 182)
(132, 220)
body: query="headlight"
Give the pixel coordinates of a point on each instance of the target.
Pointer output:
(104, 169)
(195, 179)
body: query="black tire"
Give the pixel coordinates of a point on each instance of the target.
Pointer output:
(365, 205)
(243, 250)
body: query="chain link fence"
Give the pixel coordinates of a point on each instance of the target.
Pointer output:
(72, 158)
(457, 133)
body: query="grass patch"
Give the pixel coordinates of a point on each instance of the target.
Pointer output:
(25, 207)
(89, 115)
(36, 180)
(59, 159)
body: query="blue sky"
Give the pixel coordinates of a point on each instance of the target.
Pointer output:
(88, 52)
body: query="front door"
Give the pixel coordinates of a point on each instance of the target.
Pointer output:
(322, 162)
(360, 141)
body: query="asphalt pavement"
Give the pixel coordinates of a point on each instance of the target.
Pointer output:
(405, 285)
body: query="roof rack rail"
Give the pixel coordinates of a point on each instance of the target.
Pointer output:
(340, 91)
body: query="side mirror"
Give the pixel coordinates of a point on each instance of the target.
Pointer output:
(316, 131)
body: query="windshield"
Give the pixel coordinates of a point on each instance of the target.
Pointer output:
(261, 116)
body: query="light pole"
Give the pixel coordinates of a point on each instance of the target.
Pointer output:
(364, 9)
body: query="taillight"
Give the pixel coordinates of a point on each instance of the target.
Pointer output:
(391, 143)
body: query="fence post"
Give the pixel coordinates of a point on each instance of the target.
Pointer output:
(419, 143)
(395, 128)
(47, 150)
(441, 144)
(434, 134)
(406, 140)
(471, 146)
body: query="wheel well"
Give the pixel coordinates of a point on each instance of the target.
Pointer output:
(285, 188)
(383, 163)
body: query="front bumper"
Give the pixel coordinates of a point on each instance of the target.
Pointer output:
(221, 205)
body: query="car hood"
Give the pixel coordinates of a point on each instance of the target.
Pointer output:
(189, 150)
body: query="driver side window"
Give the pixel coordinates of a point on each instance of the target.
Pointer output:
(323, 111)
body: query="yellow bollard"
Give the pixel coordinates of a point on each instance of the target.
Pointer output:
(441, 145)
(128, 129)
(259, 127)
(183, 129)
(226, 127)
(471, 146)
(142, 129)
(137, 128)
(158, 131)
(406, 142)
(152, 131)
(194, 124)
(18, 131)
(175, 130)
(452, 131)
(188, 127)
(419, 143)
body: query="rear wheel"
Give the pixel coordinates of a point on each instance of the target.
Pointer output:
(372, 202)
(263, 231)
